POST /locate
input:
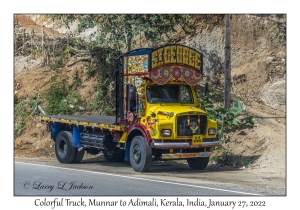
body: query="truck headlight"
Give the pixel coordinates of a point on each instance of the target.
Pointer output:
(211, 131)
(165, 132)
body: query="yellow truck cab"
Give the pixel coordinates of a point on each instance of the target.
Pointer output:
(157, 115)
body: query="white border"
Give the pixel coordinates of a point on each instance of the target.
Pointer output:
(154, 6)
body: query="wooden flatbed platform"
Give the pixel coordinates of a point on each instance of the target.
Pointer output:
(94, 121)
(99, 119)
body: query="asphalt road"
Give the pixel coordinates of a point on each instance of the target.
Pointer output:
(44, 180)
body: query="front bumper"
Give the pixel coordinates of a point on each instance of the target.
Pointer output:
(171, 156)
(172, 144)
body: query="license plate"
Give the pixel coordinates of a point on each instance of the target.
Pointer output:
(197, 140)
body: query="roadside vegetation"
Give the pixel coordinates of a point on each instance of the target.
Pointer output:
(24, 111)
(227, 121)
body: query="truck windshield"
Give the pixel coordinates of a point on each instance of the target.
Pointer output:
(157, 94)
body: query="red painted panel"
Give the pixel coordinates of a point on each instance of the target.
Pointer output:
(142, 129)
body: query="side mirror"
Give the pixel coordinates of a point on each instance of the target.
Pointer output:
(131, 98)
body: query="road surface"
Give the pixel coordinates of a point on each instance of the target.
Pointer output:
(47, 180)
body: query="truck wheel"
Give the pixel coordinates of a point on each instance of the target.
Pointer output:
(114, 156)
(198, 163)
(111, 152)
(140, 154)
(78, 157)
(64, 150)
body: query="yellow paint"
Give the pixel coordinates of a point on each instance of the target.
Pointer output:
(166, 122)
(176, 54)
(154, 59)
(179, 55)
(185, 155)
(160, 56)
(167, 57)
(185, 59)
(192, 58)
(173, 54)
(216, 153)
(211, 124)
(123, 137)
(197, 139)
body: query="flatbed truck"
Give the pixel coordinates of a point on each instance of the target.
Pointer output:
(156, 118)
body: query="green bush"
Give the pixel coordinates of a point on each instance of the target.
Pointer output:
(20, 116)
(59, 63)
(227, 120)
(19, 127)
(33, 103)
(61, 101)
(20, 110)
(55, 96)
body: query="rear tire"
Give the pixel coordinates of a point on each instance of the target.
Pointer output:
(114, 156)
(64, 150)
(111, 152)
(78, 157)
(198, 163)
(140, 154)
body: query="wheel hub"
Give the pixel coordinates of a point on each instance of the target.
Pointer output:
(136, 154)
(65, 148)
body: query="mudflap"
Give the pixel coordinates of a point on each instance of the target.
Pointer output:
(56, 128)
(127, 151)
(76, 136)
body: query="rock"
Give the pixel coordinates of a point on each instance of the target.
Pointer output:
(39, 125)
(270, 59)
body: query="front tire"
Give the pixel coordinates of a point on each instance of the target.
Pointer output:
(64, 150)
(140, 154)
(198, 163)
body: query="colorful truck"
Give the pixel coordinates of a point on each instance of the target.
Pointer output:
(156, 118)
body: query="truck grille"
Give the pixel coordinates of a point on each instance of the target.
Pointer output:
(183, 128)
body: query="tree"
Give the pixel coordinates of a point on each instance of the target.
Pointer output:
(118, 30)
